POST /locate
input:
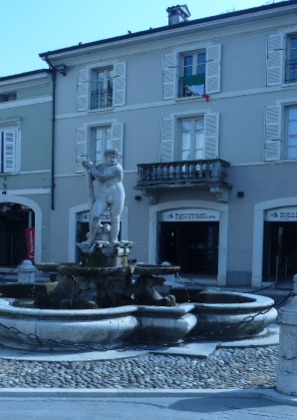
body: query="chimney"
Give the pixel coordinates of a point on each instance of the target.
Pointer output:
(177, 14)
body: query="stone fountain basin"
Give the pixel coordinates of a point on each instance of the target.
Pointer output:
(93, 327)
(218, 309)
(110, 326)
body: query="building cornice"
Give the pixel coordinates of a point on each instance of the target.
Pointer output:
(25, 80)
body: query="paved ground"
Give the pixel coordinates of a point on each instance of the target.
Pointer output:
(147, 386)
(203, 406)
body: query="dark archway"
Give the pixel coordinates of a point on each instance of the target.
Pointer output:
(15, 219)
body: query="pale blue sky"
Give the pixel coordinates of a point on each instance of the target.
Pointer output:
(30, 27)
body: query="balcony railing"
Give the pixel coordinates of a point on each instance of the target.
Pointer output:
(209, 171)
(101, 99)
(291, 71)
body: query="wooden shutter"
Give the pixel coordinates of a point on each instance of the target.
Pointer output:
(83, 87)
(211, 136)
(119, 84)
(213, 69)
(169, 76)
(275, 60)
(80, 148)
(166, 140)
(9, 151)
(272, 147)
(117, 138)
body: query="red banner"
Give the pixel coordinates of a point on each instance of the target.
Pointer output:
(30, 235)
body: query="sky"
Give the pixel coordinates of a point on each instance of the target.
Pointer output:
(31, 27)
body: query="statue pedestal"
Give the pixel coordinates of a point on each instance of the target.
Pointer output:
(105, 254)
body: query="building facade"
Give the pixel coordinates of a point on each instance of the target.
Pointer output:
(204, 114)
(25, 173)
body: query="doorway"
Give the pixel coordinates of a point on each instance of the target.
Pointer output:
(14, 221)
(280, 250)
(191, 245)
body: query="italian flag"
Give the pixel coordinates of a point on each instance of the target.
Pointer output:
(196, 84)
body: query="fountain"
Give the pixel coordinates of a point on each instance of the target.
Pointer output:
(108, 300)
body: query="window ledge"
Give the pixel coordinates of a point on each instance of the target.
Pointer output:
(93, 111)
(288, 85)
(190, 98)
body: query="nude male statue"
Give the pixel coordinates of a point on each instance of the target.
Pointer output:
(110, 194)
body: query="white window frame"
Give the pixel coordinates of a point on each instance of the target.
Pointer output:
(107, 100)
(85, 141)
(10, 137)
(171, 138)
(86, 84)
(286, 131)
(287, 58)
(106, 143)
(277, 56)
(182, 88)
(173, 69)
(192, 132)
(276, 132)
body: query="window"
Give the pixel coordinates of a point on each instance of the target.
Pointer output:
(7, 150)
(102, 95)
(292, 133)
(280, 49)
(192, 139)
(280, 120)
(193, 65)
(6, 97)
(92, 141)
(204, 63)
(101, 88)
(291, 63)
(101, 142)
(197, 138)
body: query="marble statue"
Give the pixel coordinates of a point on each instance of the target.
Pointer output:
(109, 176)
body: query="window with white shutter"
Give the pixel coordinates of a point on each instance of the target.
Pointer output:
(291, 132)
(92, 142)
(272, 147)
(119, 84)
(81, 154)
(213, 69)
(170, 72)
(275, 60)
(200, 72)
(101, 88)
(83, 88)
(199, 137)
(167, 140)
(8, 151)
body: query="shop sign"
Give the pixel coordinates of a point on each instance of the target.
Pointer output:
(190, 215)
(85, 217)
(281, 214)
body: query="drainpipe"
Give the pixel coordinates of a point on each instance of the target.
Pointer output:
(53, 134)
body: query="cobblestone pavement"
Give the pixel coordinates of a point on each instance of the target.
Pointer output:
(226, 368)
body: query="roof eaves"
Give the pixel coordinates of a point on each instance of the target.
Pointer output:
(29, 73)
(167, 27)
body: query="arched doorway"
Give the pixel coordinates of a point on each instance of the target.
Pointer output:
(17, 225)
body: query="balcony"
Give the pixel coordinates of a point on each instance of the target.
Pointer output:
(190, 173)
